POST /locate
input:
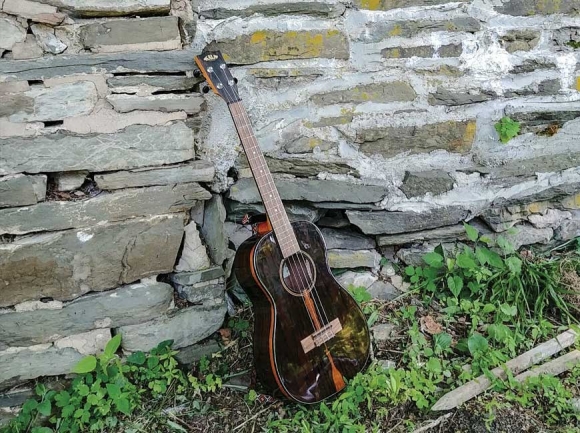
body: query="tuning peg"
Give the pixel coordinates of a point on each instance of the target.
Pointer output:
(205, 89)
(196, 73)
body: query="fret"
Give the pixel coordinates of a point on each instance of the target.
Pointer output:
(265, 182)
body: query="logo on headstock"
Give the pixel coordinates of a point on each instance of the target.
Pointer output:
(210, 58)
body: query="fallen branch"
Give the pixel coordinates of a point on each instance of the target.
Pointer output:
(521, 363)
(432, 424)
(555, 367)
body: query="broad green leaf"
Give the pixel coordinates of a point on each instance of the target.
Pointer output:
(83, 390)
(477, 343)
(471, 231)
(442, 341)
(508, 310)
(152, 361)
(137, 358)
(45, 408)
(433, 259)
(434, 365)
(29, 405)
(114, 390)
(86, 365)
(410, 271)
(491, 257)
(123, 406)
(465, 262)
(455, 284)
(113, 345)
(514, 264)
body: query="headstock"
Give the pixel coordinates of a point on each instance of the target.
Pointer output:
(219, 78)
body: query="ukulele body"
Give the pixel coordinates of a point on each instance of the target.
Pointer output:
(290, 354)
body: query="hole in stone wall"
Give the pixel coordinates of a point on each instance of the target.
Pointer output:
(49, 123)
(125, 74)
(33, 82)
(7, 239)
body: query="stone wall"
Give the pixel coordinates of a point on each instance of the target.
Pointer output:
(122, 188)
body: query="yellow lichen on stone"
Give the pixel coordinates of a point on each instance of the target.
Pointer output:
(578, 83)
(313, 142)
(397, 30)
(537, 207)
(395, 53)
(470, 129)
(372, 5)
(572, 202)
(258, 37)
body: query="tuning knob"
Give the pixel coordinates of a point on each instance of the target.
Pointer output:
(205, 89)
(196, 73)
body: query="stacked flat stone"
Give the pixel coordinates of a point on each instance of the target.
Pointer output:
(376, 117)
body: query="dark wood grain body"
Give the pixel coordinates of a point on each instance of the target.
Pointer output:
(282, 320)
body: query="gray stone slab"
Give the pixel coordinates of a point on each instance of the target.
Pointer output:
(246, 191)
(30, 363)
(136, 146)
(206, 293)
(194, 171)
(448, 97)
(520, 40)
(54, 66)
(393, 91)
(106, 207)
(385, 5)
(111, 8)
(22, 190)
(220, 9)
(295, 211)
(449, 234)
(126, 305)
(126, 83)
(390, 141)
(156, 33)
(385, 222)
(425, 51)
(166, 103)
(15, 398)
(185, 327)
(383, 291)
(213, 230)
(192, 354)
(349, 259)
(346, 239)
(379, 30)
(66, 265)
(191, 278)
(539, 7)
(266, 45)
(301, 166)
(12, 32)
(417, 184)
(531, 166)
(51, 103)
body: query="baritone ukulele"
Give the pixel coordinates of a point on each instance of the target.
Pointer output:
(310, 336)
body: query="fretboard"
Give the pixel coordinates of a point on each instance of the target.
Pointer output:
(274, 208)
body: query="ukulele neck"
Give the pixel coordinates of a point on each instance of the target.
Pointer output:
(274, 208)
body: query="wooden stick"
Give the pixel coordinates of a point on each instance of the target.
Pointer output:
(432, 424)
(532, 357)
(555, 367)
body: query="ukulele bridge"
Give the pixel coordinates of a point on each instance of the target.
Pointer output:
(321, 336)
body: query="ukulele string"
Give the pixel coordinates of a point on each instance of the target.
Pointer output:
(246, 125)
(296, 258)
(302, 265)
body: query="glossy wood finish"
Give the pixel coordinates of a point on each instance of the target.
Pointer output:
(282, 321)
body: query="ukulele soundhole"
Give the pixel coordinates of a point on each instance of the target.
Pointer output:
(298, 273)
